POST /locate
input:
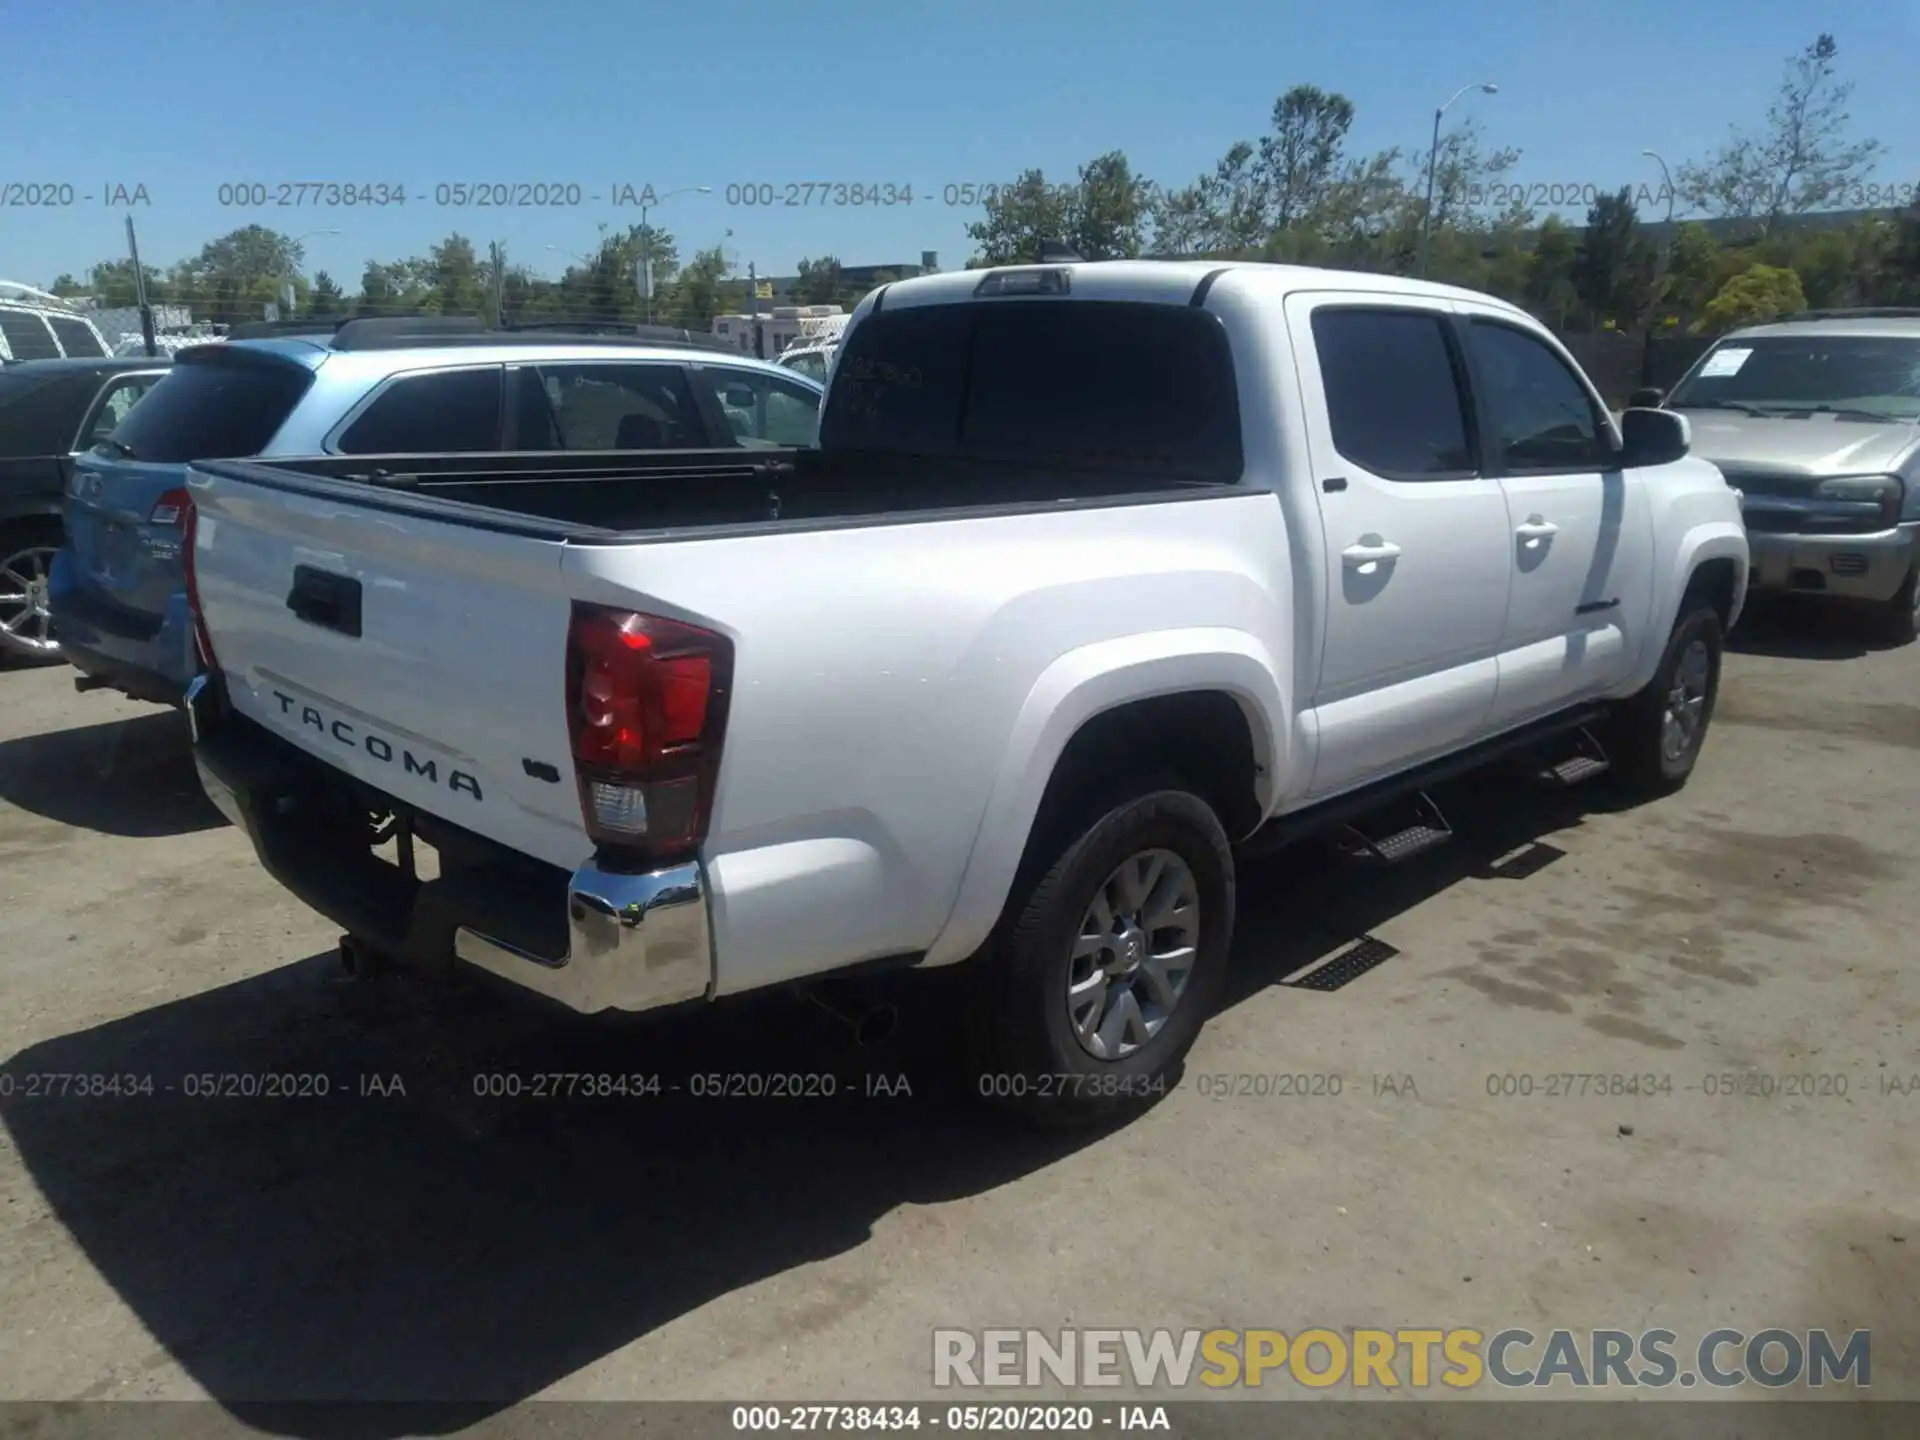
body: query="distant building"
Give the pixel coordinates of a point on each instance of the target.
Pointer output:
(773, 329)
(859, 277)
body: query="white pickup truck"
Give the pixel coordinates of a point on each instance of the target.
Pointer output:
(1097, 571)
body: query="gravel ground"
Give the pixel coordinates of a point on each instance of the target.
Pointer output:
(431, 1244)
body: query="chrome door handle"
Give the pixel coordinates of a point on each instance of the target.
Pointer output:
(1370, 550)
(1537, 527)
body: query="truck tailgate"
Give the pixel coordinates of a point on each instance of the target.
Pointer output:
(424, 658)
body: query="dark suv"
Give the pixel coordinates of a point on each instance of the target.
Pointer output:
(50, 412)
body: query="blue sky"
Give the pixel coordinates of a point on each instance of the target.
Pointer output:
(598, 93)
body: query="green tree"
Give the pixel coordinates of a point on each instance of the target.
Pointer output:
(1612, 270)
(1548, 288)
(1103, 216)
(696, 296)
(457, 281)
(1690, 271)
(821, 282)
(325, 297)
(1801, 160)
(1301, 155)
(1897, 276)
(113, 282)
(1758, 293)
(1466, 179)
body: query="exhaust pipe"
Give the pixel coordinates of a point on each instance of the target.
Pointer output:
(870, 1022)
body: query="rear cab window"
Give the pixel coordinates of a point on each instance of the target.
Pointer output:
(1124, 384)
(222, 404)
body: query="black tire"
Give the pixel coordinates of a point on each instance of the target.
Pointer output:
(1899, 618)
(1637, 737)
(16, 536)
(1026, 1056)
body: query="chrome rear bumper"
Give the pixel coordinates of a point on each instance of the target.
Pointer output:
(633, 941)
(636, 942)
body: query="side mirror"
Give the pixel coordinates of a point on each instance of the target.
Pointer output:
(738, 397)
(1647, 397)
(1653, 437)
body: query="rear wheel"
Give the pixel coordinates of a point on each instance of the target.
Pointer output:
(1900, 617)
(1108, 960)
(1655, 737)
(27, 549)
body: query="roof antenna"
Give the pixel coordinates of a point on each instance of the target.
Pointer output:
(1053, 252)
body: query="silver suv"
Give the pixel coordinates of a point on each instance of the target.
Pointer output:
(1815, 419)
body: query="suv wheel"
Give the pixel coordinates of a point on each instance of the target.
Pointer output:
(26, 558)
(1900, 616)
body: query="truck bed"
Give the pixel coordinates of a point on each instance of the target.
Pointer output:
(633, 493)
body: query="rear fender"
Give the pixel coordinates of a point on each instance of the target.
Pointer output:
(1078, 686)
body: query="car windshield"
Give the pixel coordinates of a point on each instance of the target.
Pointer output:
(1852, 377)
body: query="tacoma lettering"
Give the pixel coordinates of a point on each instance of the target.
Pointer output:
(381, 750)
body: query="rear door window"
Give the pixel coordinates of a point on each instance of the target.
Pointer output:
(224, 404)
(449, 412)
(28, 337)
(606, 405)
(1138, 386)
(76, 337)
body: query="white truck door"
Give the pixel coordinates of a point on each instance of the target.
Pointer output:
(1417, 538)
(1582, 530)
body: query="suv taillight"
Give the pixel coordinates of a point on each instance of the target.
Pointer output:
(190, 526)
(170, 508)
(646, 710)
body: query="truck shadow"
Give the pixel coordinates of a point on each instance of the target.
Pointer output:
(131, 777)
(400, 1238)
(1785, 629)
(1300, 905)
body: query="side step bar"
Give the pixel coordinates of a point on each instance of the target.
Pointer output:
(1587, 760)
(1425, 829)
(1284, 830)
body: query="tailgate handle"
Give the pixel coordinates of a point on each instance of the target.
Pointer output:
(322, 598)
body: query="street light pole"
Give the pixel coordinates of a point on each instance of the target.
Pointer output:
(1433, 155)
(299, 240)
(1662, 265)
(646, 240)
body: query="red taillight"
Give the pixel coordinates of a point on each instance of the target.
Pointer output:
(190, 527)
(171, 508)
(646, 707)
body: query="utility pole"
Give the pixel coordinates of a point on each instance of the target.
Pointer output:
(499, 259)
(140, 291)
(1663, 260)
(1433, 154)
(753, 309)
